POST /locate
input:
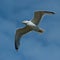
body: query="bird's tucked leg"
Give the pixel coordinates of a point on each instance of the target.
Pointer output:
(37, 29)
(40, 30)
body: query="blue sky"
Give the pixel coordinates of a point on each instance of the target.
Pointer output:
(34, 46)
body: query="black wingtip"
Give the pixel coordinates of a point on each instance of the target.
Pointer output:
(53, 12)
(16, 47)
(50, 12)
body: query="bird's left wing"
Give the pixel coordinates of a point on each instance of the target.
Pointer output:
(19, 33)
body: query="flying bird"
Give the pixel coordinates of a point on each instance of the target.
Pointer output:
(29, 26)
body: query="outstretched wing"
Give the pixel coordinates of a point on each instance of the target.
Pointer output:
(38, 15)
(19, 34)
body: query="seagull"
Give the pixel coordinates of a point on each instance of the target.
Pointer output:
(31, 25)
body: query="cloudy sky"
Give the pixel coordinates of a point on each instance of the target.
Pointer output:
(34, 46)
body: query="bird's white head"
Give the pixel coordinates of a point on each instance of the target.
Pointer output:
(25, 22)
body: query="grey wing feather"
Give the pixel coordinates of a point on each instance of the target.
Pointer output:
(19, 34)
(38, 15)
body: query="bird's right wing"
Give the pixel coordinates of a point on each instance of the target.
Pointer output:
(19, 34)
(38, 15)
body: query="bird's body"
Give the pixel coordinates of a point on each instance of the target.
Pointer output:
(30, 25)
